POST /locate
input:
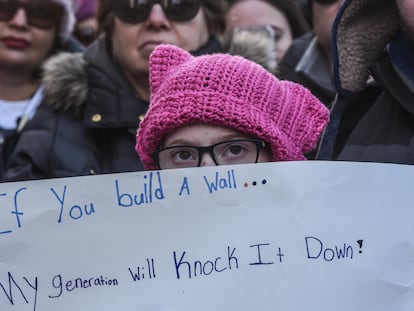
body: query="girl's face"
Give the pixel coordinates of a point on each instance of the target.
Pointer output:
(249, 13)
(133, 43)
(233, 150)
(26, 38)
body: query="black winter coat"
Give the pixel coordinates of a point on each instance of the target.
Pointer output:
(9, 138)
(305, 63)
(71, 136)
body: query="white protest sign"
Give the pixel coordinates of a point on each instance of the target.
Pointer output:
(274, 236)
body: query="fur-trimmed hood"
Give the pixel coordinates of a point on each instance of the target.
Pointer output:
(93, 87)
(256, 44)
(93, 81)
(65, 81)
(70, 78)
(361, 31)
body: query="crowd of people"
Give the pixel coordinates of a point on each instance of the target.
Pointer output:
(118, 85)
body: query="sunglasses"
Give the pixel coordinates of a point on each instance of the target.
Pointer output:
(86, 35)
(39, 14)
(137, 11)
(326, 2)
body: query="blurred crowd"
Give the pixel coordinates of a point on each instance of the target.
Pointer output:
(108, 86)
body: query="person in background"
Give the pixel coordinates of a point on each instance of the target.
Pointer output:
(373, 117)
(309, 58)
(88, 120)
(30, 32)
(223, 110)
(86, 27)
(304, 7)
(263, 30)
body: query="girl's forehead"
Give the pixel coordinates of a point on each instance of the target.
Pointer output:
(202, 134)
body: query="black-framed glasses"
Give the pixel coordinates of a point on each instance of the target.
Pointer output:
(137, 11)
(39, 13)
(237, 151)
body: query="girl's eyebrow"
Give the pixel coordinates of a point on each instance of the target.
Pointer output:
(186, 142)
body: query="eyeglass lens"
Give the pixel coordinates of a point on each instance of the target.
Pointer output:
(224, 153)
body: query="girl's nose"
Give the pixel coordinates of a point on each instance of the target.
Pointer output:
(207, 160)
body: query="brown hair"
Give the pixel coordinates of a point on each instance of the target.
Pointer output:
(214, 11)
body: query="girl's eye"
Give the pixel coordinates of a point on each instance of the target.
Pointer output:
(235, 149)
(184, 155)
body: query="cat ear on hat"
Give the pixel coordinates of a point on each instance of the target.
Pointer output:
(164, 58)
(310, 116)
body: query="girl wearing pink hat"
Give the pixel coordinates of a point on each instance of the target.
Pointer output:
(222, 110)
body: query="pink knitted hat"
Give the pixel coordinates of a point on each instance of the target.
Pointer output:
(229, 91)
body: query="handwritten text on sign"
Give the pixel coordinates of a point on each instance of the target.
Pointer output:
(173, 238)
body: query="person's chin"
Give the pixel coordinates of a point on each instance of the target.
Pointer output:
(147, 48)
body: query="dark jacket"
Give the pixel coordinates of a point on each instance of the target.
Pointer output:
(373, 116)
(305, 63)
(88, 122)
(9, 138)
